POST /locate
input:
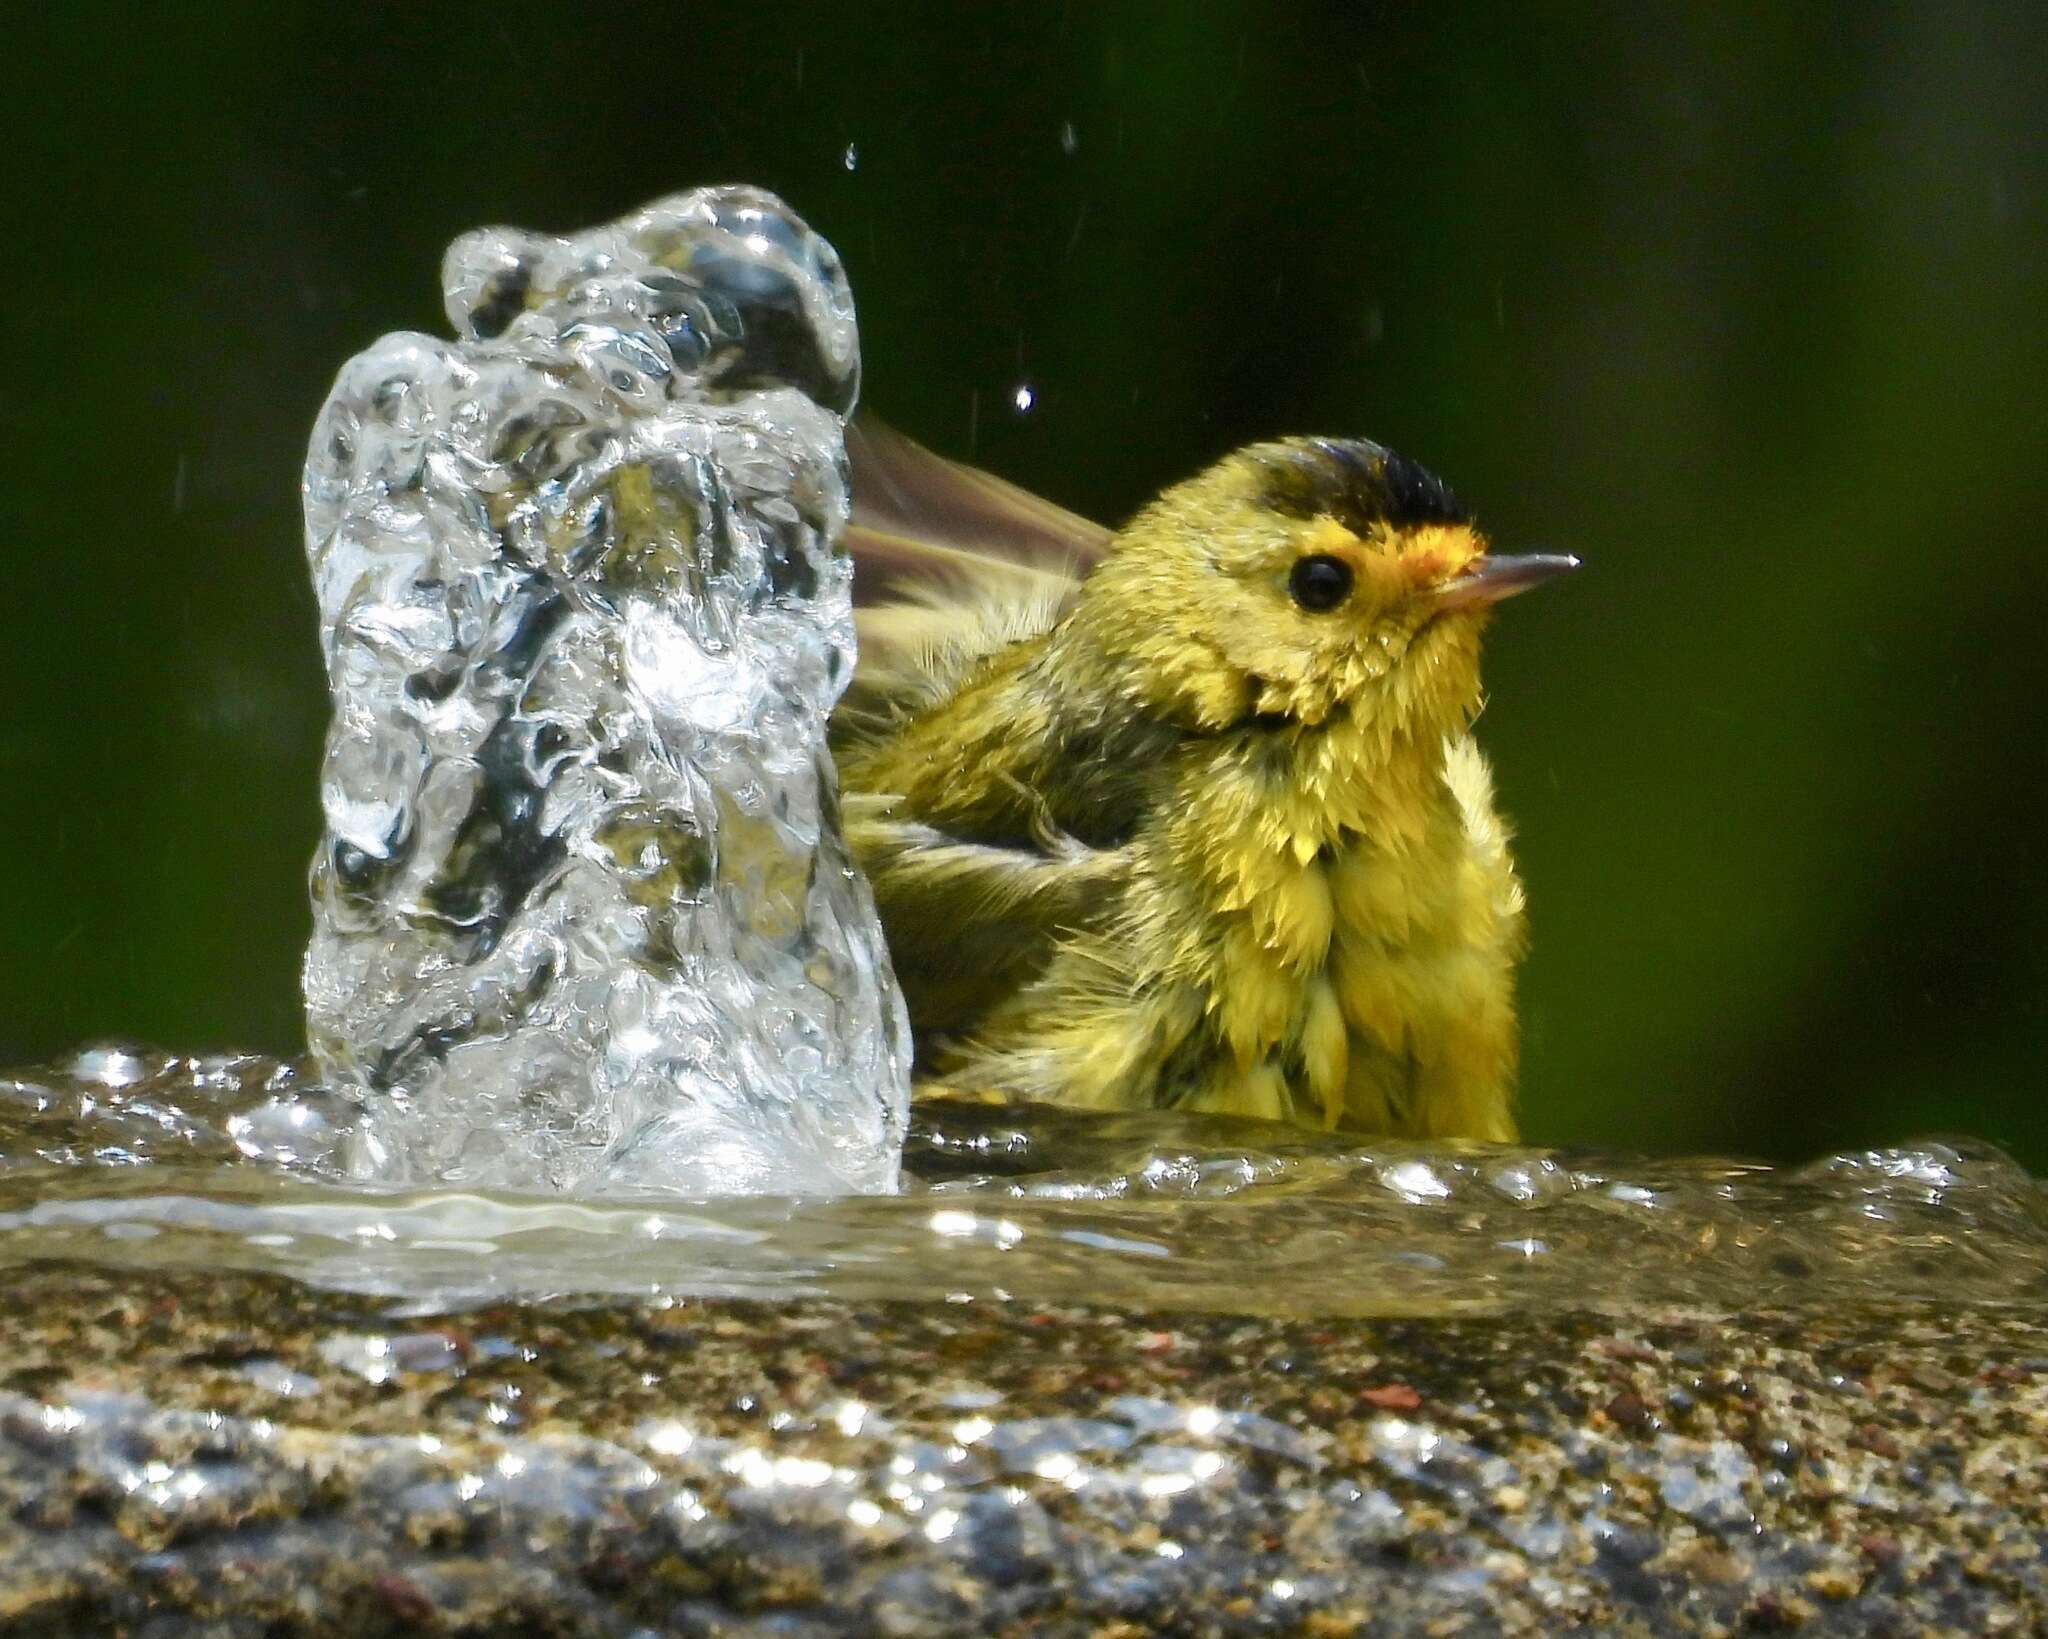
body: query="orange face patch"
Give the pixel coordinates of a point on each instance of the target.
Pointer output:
(1393, 570)
(1431, 554)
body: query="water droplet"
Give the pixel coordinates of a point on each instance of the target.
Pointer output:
(852, 157)
(1023, 397)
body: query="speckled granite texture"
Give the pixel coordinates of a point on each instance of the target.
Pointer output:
(184, 1454)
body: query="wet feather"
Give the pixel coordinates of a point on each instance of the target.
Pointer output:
(1150, 824)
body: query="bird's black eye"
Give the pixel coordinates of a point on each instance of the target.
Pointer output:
(1320, 582)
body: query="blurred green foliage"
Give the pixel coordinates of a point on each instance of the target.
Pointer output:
(1744, 303)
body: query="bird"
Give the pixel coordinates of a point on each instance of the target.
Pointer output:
(1187, 815)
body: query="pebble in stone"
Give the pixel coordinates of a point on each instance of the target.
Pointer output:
(245, 1456)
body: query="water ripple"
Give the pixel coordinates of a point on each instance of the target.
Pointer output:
(128, 1157)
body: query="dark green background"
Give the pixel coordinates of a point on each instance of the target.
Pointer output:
(1745, 304)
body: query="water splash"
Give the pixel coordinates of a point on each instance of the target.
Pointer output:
(581, 914)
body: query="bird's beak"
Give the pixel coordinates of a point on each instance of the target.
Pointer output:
(1493, 577)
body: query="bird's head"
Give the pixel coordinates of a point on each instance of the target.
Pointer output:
(1296, 580)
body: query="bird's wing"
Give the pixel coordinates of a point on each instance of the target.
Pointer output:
(918, 517)
(971, 922)
(949, 562)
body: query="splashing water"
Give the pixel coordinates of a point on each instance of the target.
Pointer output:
(128, 1157)
(581, 913)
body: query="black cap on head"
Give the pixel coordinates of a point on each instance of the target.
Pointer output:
(1355, 481)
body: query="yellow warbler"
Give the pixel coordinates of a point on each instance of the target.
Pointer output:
(1189, 815)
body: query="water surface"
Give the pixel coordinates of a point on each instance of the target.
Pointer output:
(128, 1157)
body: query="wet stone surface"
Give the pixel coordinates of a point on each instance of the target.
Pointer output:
(186, 1453)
